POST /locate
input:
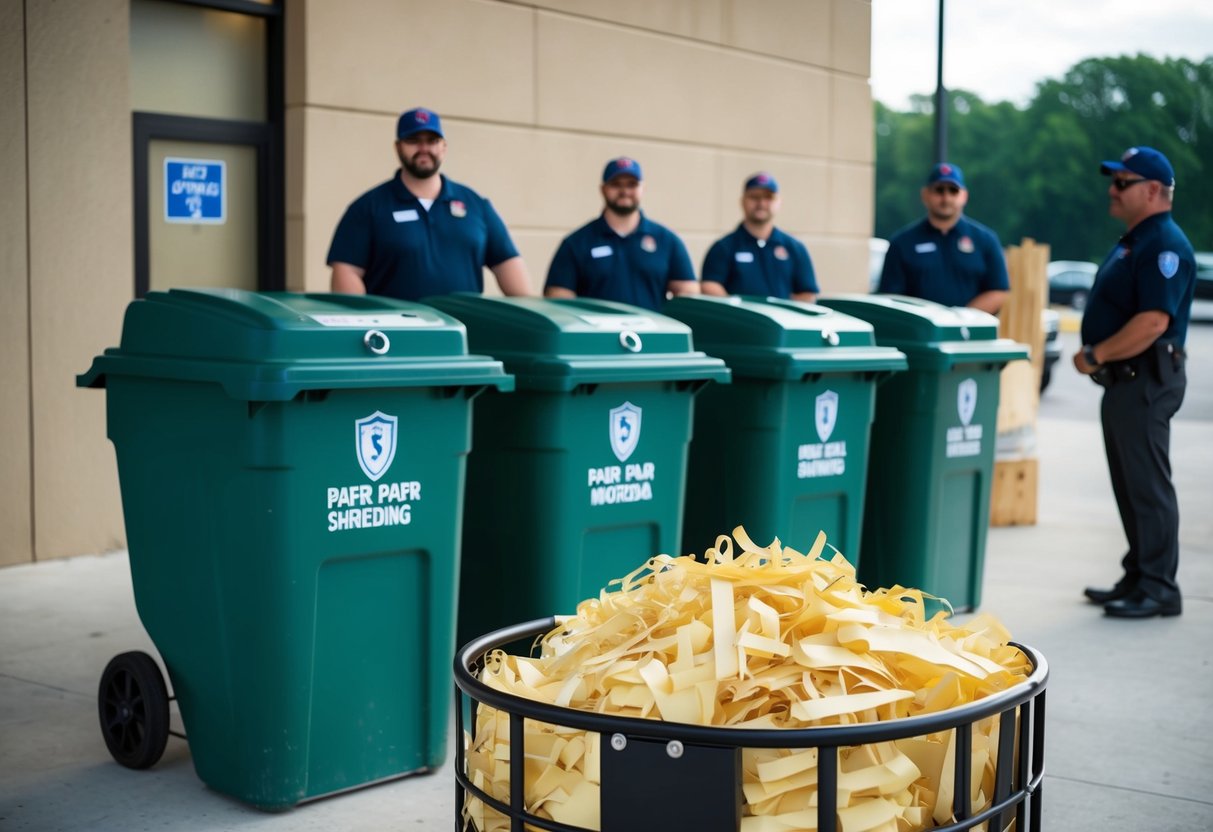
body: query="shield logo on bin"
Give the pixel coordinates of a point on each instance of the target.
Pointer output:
(966, 400)
(375, 440)
(827, 414)
(625, 430)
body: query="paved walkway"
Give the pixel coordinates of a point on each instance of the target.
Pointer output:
(1130, 713)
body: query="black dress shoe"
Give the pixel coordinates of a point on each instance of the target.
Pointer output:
(1103, 596)
(1140, 605)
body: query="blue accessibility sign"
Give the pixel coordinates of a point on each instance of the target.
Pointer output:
(195, 190)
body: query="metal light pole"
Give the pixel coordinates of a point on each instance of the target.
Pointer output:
(941, 99)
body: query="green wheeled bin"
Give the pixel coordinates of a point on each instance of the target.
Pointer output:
(932, 460)
(783, 450)
(578, 475)
(291, 469)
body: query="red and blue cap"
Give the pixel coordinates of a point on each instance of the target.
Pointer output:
(762, 180)
(946, 172)
(1146, 162)
(623, 166)
(419, 120)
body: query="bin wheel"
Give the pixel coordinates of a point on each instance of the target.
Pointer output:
(132, 702)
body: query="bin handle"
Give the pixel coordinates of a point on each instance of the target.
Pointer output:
(376, 341)
(630, 341)
(830, 337)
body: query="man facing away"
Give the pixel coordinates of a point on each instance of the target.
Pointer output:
(946, 257)
(757, 258)
(420, 233)
(622, 255)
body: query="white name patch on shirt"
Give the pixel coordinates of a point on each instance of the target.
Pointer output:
(744, 257)
(407, 215)
(924, 248)
(600, 251)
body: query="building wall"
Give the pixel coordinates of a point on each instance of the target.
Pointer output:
(67, 216)
(15, 519)
(535, 97)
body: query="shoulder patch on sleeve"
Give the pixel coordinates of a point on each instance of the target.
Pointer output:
(1168, 264)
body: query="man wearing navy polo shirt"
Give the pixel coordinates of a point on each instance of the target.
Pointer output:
(623, 255)
(946, 257)
(419, 233)
(1133, 333)
(758, 258)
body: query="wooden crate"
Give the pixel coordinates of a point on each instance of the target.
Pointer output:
(1013, 492)
(1013, 496)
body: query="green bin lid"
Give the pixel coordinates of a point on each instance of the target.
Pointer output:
(558, 344)
(269, 346)
(931, 335)
(783, 340)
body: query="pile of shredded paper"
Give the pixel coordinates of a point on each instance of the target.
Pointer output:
(755, 637)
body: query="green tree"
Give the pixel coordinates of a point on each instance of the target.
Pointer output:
(1033, 172)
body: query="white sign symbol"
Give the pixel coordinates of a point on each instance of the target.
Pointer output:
(625, 430)
(375, 440)
(827, 414)
(966, 400)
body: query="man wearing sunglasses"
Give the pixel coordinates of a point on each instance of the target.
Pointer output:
(946, 257)
(1133, 333)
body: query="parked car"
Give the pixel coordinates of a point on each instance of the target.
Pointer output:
(1050, 322)
(877, 248)
(1204, 275)
(1070, 282)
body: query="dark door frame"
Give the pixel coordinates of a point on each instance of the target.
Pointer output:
(265, 137)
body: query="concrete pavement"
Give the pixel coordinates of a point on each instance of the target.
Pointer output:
(1130, 713)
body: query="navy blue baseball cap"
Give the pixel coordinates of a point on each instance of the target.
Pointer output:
(623, 166)
(762, 180)
(419, 120)
(1146, 162)
(946, 172)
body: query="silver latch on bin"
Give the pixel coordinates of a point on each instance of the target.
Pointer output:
(630, 341)
(376, 341)
(830, 337)
(964, 333)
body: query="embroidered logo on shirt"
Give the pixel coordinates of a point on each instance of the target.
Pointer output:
(600, 251)
(780, 253)
(744, 257)
(965, 244)
(407, 215)
(648, 243)
(1122, 252)
(924, 248)
(1168, 264)
(458, 209)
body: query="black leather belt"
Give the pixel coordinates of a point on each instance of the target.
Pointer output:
(1118, 372)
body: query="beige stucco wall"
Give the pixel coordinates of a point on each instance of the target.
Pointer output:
(78, 272)
(15, 526)
(535, 97)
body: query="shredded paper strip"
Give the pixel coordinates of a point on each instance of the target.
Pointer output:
(754, 637)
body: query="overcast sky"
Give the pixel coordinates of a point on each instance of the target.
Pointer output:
(1001, 48)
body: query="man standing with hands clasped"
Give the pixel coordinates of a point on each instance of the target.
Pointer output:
(1133, 334)
(946, 257)
(421, 233)
(622, 255)
(758, 258)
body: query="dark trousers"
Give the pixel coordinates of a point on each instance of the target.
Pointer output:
(1136, 415)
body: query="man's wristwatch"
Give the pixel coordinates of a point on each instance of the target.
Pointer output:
(1088, 355)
